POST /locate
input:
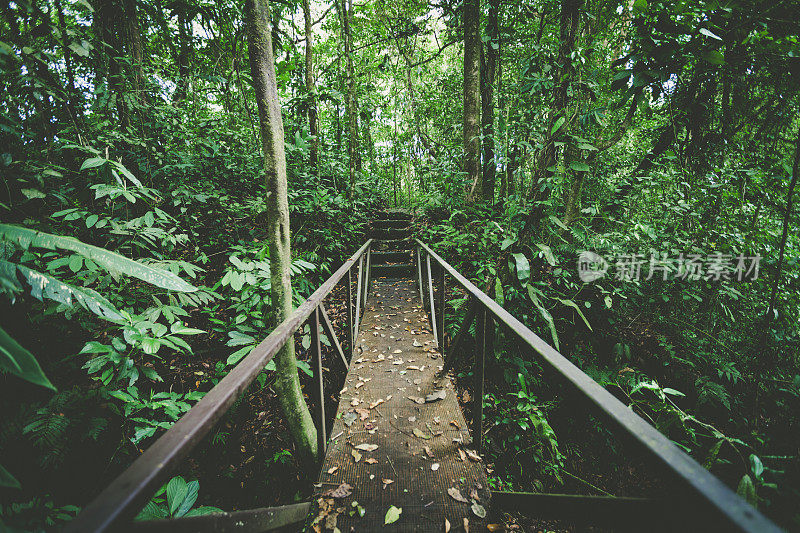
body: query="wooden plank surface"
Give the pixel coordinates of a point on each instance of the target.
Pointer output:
(394, 366)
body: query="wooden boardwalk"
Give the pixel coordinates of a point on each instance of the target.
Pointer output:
(421, 462)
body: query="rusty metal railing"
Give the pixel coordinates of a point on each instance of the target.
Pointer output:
(116, 506)
(707, 504)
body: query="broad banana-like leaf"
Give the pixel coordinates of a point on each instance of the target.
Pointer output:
(46, 286)
(111, 261)
(18, 361)
(7, 480)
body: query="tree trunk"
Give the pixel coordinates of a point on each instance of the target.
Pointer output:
(546, 159)
(311, 88)
(766, 363)
(184, 45)
(488, 75)
(471, 132)
(262, 65)
(132, 39)
(350, 104)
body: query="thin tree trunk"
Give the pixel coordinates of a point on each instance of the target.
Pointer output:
(472, 96)
(488, 75)
(546, 158)
(311, 88)
(350, 104)
(262, 65)
(183, 57)
(781, 252)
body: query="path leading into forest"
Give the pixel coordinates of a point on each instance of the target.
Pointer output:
(399, 441)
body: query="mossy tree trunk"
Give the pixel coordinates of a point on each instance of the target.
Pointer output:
(472, 96)
(262, 65)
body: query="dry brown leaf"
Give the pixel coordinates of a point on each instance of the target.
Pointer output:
(367, 447)
(428, 451)
(446, 525)
(473, 455)
(494, 527)
(356, 455)
(342, 491)
(376, 403)
(456, 495)
(333, 469)
(466, 525)
(462, 455)
(371, 461)
(455, 424)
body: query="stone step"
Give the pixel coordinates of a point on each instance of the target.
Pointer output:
(390, 223)
(381, 257)
(394, 215)
(396, 270)
(390, 233)
(392, 244)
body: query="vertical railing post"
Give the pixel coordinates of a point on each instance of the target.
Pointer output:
(319, 391)
(440, 316)
(359, 282)
(419, 277)
(430, 298)
(366, 278)
(484, 334)
(350, 345)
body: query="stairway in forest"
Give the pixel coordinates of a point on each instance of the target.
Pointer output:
(400, 457)
(391, 255)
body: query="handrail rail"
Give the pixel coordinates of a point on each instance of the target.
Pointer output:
(130, 491)
(727, 507)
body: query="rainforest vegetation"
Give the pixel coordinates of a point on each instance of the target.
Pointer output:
(168, 165)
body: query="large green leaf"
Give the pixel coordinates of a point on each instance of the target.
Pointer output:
(523, 267)
(177, 489)
(46, 286)
(18, 361)
(192, 488)
(7, 480)
(111, 261)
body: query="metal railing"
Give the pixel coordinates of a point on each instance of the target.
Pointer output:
(115, 507)
(706, 502)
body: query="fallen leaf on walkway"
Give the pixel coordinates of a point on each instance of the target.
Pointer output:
(356, 455)
(435, 467)
(412, 418)
(376, 403)
(386, 482)
(421, 434)
(349, 418)
(473, 455)
(355, 402)
(416, 344)
(455, 424)
(363, 413)
(462, 455)
(436, 395)
(342, 491)
(367, 447)
(428, 451)
(446, 525)
(473, 494)
(398, 362)
(479, 510)
(466, 525)
(417, 399)
(494, 527)
(333, 469)
(392, 515)
(456, 495)
(371, 461)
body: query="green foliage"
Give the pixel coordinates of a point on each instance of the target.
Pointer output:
(174, 500)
